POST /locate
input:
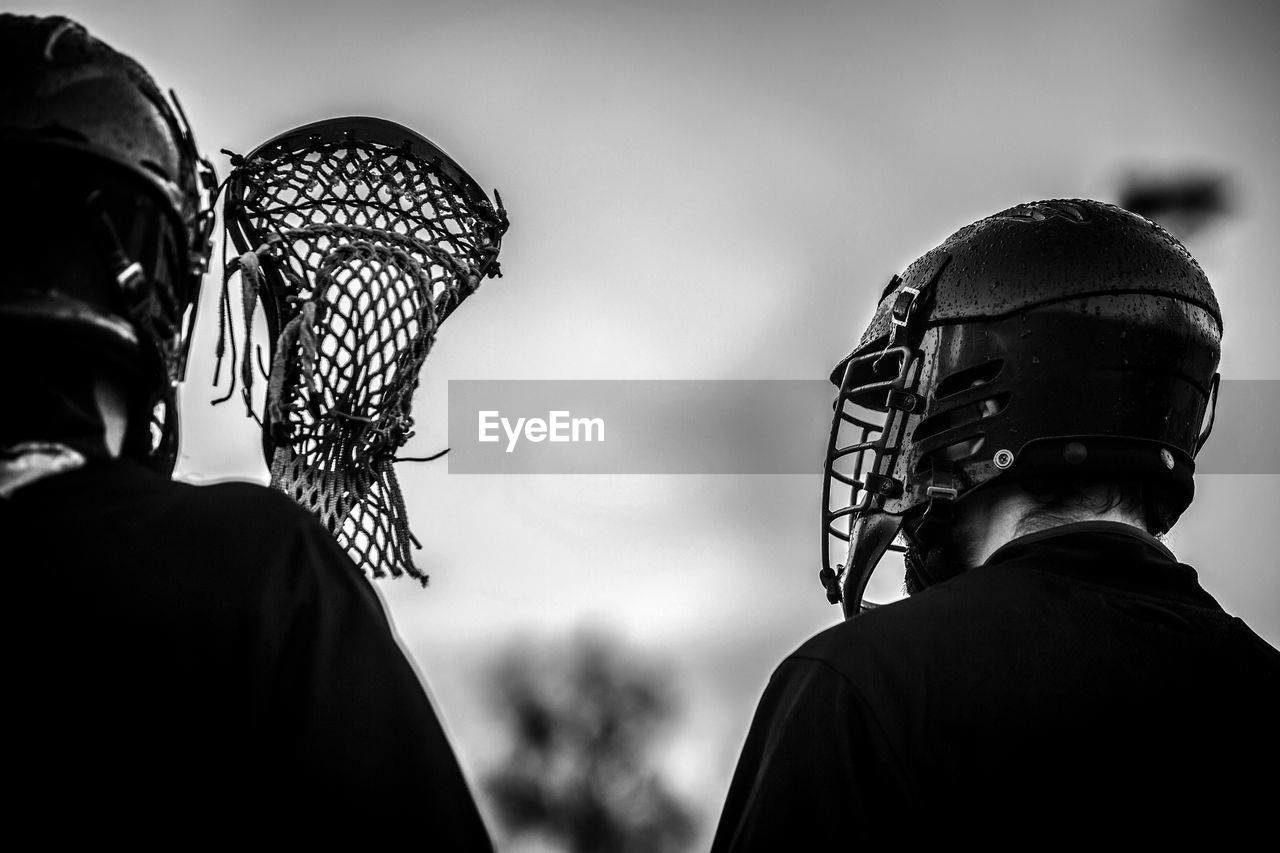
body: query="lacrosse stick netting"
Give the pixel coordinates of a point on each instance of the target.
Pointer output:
(359, 237)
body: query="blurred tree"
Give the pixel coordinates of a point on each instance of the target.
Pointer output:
(581, 718)
(1185, 202)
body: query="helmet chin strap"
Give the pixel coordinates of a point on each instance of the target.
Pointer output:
(873, 534)
(919, 575)
(869, 540)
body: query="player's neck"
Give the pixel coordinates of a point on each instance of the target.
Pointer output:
(115, 415)
(1005, 515)
(91, 417)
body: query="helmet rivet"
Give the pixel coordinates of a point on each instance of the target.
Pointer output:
(1003, 459)
(1167, 458)
(1075, 453)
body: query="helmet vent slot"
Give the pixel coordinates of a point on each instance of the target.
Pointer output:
(960, 416)
(963, 449)
(960, 450)
(967, 378)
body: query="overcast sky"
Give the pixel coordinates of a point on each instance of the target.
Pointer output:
(719, 190)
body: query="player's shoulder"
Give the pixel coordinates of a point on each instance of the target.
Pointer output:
(291, 550)
(230, 520)
(231, 509)
(245, 502)
(918, 631)
(261, 517)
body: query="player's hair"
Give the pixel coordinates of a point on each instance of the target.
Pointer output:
(1058, 501)
(1063, 500)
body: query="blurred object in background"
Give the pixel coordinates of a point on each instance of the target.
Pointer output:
(1185, 201)
(579, 774)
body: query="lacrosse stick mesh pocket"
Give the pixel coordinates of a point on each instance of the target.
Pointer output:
(358, 243)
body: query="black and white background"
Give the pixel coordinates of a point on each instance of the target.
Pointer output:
(718, 191)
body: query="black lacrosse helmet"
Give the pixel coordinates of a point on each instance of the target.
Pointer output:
(1055, 337)
(97, 149)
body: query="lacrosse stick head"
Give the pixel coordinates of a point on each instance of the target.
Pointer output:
(359, 237)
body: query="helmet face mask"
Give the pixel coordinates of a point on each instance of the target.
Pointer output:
(112, 169)
(1056, 338)
(865, 432)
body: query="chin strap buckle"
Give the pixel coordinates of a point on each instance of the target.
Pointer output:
(943, 490)
(831, 582)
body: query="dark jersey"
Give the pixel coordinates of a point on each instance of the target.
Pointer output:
(1080, 682)
(208, 657)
